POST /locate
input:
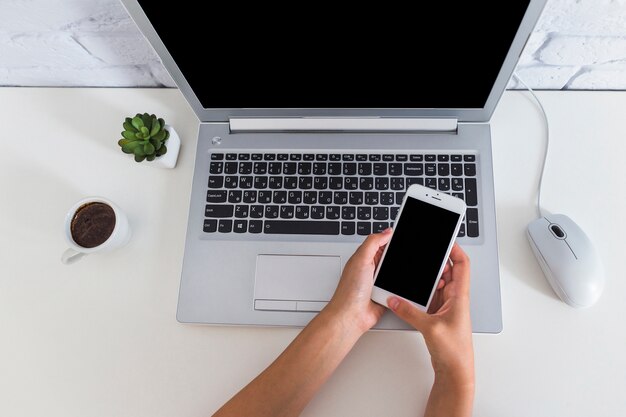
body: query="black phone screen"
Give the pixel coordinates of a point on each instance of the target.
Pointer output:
(416, 250)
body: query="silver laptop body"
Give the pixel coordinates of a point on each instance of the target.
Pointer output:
(276, 277)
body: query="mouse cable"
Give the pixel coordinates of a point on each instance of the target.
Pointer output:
(545, 153)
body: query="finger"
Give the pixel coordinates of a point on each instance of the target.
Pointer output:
(373, 243)
(447, 267)
(461, 268)
(441, 283)
(409, 313)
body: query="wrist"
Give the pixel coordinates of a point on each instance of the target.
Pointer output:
(348, 320)
(456, 376)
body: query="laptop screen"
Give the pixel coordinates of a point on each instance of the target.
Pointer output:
(314, 55)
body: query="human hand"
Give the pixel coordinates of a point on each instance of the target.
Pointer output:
(447, 327)
(352, 296)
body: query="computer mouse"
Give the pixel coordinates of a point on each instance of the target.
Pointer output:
(568, 259)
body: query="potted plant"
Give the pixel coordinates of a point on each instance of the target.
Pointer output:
(148, 138)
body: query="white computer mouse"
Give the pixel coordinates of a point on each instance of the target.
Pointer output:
(568, 258)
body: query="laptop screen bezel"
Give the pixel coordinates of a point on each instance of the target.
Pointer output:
(461, 114)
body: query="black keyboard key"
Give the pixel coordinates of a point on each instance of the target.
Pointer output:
(231, 181)
(216, 182)
(456, 158)
(457, 184)
(295, 157)
(431, 170)
(469, 158)
(335, 183)
(334, 168)
(271, 212)
(269, 157)
(381, 213)
(245, 181)
(347, 228)
(443, 170)
(334, 157)
(317, 212)
(265, 197)
(471, 196)
(444, 184)
(380, 169)
(431, 158)
(340, 197)
(394, 213)
(371, 198)
(305, 183)
(364, 213)
(295, 197)
(244, 156)
(216, 168)
(260, 182)
(374, 157)
(413, 170)
(356, 198)
(379, 227)
(462, 230)
(241, 211)
(260, 168)
(240, 226)
(210, 225)
(279, 197)
(365, 168)
(459, 195)
(397, 183)
(217, 156)
(416, 158)
(395, 169)
(457, 170)
(413, 180)
(388, 158)
(443, 158)
(308, 157)
(275, 168)
(349, 168)
(225, 226)
(286, 212)
(294, 227)
(351, 183)
(332, 212)
(366, 183)
(256, 157)
(231, 156)
(310, 197)
(348, 213)
(387, 198)
(245, 168)
(234, 196)
(290, 183)
(249, 196)
(470, 170)
(302, 212)
(216, 196)
(363, 228)
(321, 157)
(431, 183)
(399, 197)
(320, 183)
(361, 157)
(319, 168)
(348, 157)
(256, 211)
(382, 183)
(282, 157)
(325, 197)
(255, 226)
(402, 158)
(290, 168)
(231, 168)
(471, 217)
(276, 183)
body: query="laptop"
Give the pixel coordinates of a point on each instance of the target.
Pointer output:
(314, 119)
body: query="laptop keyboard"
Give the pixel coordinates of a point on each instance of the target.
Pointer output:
(328, 193)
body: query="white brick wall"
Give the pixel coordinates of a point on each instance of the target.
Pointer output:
(578, 44)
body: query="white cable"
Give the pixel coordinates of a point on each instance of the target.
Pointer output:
(545, 154)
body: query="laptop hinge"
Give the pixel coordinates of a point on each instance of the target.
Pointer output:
(335, 124)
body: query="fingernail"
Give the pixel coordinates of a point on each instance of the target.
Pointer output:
(387, 230)
(393, 302)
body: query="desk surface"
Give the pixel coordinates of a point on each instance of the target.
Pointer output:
(100, 338)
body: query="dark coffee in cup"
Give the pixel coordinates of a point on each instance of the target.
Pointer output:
(92, 224)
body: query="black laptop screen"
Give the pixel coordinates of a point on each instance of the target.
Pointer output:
(436, 54)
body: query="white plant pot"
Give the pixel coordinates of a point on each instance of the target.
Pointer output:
(171, 156)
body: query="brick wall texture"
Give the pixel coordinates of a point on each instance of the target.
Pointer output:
(577, 44)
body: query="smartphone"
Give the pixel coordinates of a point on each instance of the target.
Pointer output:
(423, 236)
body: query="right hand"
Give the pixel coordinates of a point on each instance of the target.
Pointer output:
(447, 327)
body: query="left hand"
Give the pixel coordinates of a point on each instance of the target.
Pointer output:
(352, 296)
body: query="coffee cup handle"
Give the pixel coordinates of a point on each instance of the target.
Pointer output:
(70, 256)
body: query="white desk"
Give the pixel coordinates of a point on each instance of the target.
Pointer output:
(99, 338)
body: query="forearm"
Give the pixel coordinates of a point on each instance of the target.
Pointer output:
(289, 383)
(452, 395)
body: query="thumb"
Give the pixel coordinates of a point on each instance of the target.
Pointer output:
(409, 313)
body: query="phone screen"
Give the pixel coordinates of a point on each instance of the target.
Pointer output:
(416, 250)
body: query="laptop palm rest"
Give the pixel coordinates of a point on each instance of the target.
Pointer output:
(295, 282)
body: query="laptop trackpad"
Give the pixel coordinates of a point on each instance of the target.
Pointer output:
(295, 282)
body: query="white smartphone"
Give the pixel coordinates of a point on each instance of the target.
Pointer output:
(424, 233)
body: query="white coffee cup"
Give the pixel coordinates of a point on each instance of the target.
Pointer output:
(119, 237)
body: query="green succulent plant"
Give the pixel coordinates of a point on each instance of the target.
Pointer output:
(144, 136)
